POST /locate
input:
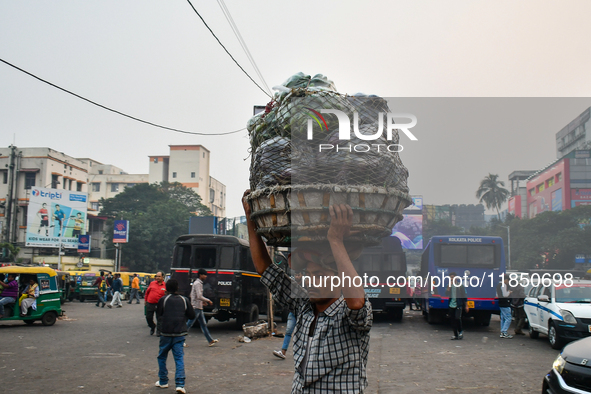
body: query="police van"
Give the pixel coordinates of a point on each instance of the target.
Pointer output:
(232, 283)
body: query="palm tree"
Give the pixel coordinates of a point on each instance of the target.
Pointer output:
(492, 193)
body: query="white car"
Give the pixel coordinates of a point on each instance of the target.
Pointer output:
(563, 313)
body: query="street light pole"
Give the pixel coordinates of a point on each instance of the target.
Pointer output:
(508, 245)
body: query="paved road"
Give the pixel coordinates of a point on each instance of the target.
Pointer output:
(98, 350)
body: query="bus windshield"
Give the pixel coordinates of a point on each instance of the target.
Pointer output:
(478, 256)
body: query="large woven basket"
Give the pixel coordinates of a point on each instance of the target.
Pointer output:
(292, 214)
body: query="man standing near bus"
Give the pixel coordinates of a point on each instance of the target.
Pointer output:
(457, 303)
(331, 341)
(504, 295)
(154, 293)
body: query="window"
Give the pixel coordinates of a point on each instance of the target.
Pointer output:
(192, 175)
(221, 199)
(156, 160)
(29, 180)
(24, 210)
(96, 187)
(211, 195)
(69, 184)
(174, 174)
(114, 187)
(204, 155)
(54, 181)
(94, 206)
(5, 177)
(78, 186)
(100, 172)
(465, 256)
(130, 185)
(550, 182)
(227, 257)
(558, 177)
(204, 258)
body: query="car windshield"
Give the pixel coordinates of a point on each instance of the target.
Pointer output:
(88, 280)
(575, 294)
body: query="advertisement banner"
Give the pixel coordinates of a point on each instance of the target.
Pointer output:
(410, 232)
(120, 231)
(84, 243)
(55, 214)
(580, 197)
(417, 205)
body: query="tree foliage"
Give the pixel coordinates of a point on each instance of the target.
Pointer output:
(492, 193)
(9, 252)
(157, 214)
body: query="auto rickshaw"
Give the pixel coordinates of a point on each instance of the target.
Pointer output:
(86, 288)
(47, 306)
(63, 282)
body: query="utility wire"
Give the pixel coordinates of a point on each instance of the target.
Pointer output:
(234, 27)
(222, 45)
(113, 110)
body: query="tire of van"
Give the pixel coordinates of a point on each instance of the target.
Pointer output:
(81, 298)
(49, 319)
(247, 317)
(29, 322)
(434, 316)
(396, 314)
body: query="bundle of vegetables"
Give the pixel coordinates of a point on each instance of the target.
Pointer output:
(282, 154)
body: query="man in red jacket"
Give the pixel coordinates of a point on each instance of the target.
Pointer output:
(154, 293)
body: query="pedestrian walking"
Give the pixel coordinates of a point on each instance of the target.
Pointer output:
(117, 289)
(154, 292)
(291, 322)
(457, 303)
(135, 289)
(331, 338)
(109, 292)
(197, 300)
(504, 299)
(173, 310)
(517, 302)
(101, 288)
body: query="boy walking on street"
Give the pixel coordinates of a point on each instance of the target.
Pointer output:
(117, 289)
(172, 311)
(197, 301)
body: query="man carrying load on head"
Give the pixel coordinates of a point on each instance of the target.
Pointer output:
(331, 341)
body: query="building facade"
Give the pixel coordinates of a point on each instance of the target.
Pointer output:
(189, 165)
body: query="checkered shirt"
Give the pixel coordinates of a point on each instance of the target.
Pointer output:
(340, 346)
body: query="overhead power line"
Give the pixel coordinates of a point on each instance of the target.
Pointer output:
(222, 45)
(114, 110)
(234, 27)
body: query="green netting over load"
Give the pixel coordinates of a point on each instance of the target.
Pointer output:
(297, 142)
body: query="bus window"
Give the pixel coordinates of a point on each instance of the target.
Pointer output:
(477, 256)
(183, 256)
(204, 258)
(392, 263)
(227, 257)
(246, 263)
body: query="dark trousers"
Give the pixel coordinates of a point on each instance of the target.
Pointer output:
(150, 311)
(519, 318)
(455, 316)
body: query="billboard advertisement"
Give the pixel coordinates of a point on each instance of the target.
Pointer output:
(410, 232)
(84, 243)
(557, 200)
(54, 214)
(120, 231)
(580, 197)
(417, 204)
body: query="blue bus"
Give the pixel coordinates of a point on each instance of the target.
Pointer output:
(478, 260)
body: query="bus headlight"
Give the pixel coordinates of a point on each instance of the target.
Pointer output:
(559, 364)
(568, 317)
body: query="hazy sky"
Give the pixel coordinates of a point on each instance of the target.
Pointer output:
(156, 60)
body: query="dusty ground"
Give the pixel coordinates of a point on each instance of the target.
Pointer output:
(98, 350)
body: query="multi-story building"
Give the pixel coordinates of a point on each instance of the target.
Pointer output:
(517, 203)
(574, 136)
(189, 165)
(22, 170)
(106, 181)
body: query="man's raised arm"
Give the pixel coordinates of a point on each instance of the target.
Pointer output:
(341, 219)
(258, 249)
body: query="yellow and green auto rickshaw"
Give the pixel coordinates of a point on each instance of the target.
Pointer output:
(86, 288)
(47, 306)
